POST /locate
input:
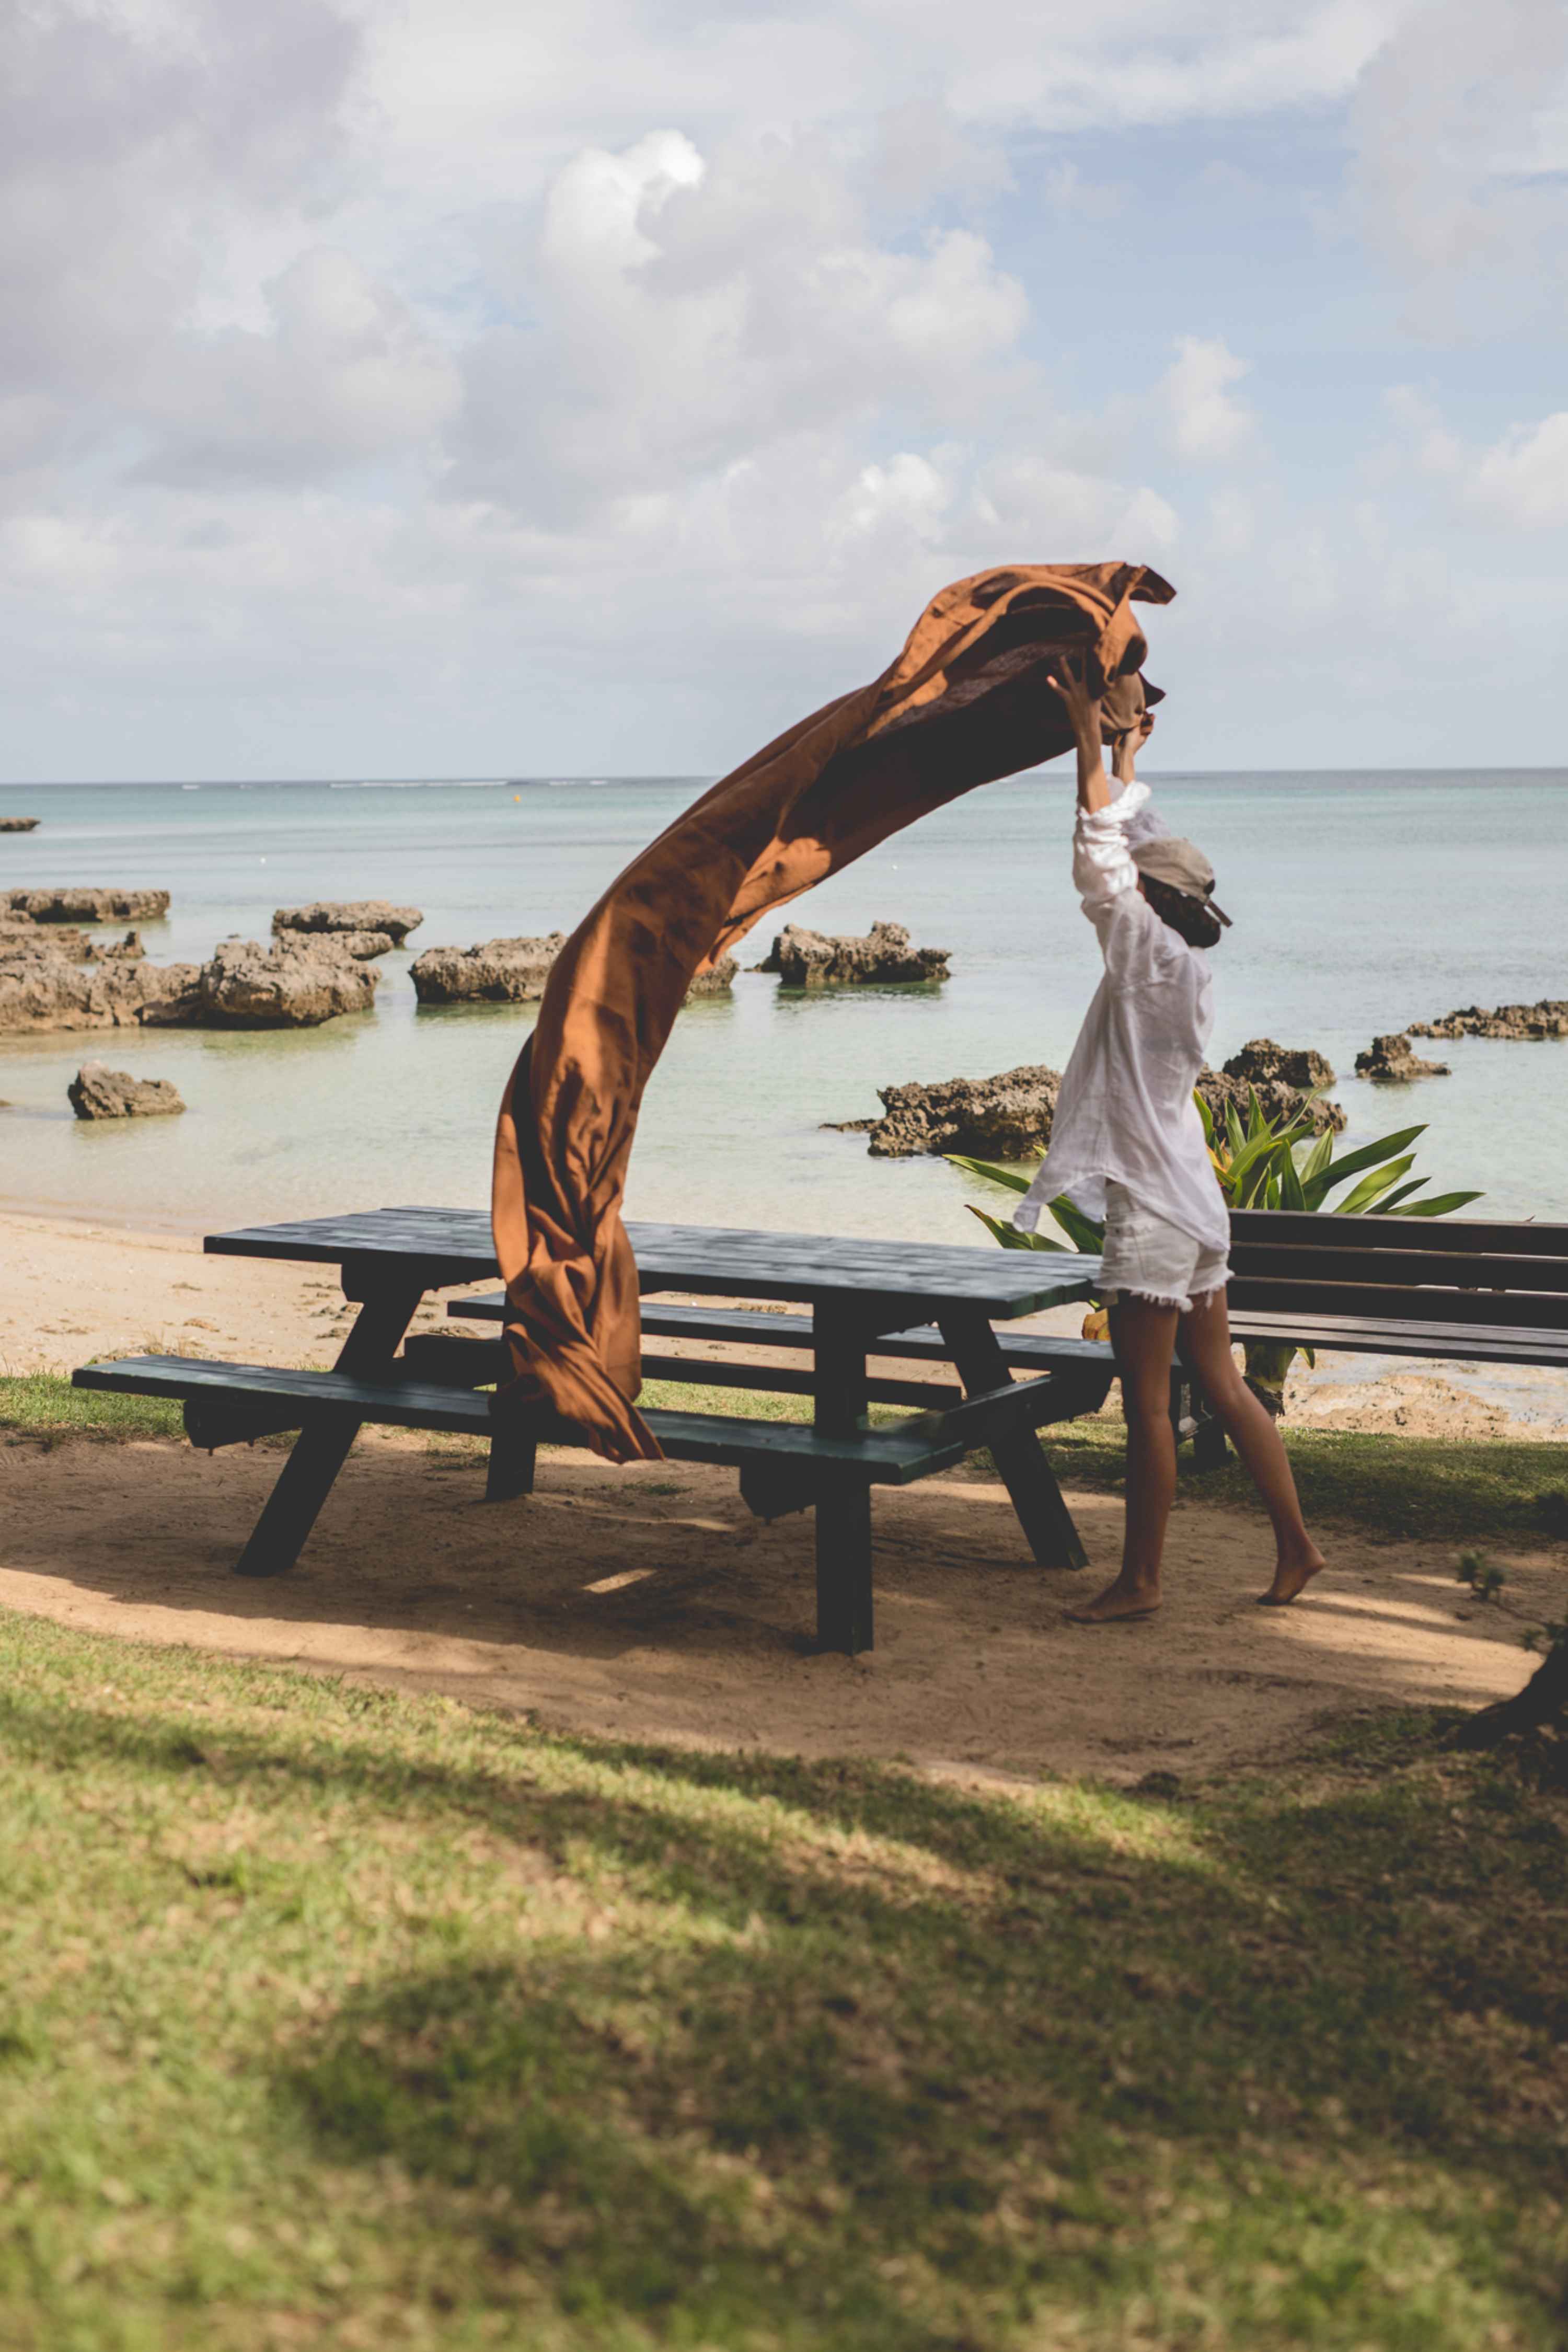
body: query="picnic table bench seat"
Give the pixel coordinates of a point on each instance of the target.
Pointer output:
(1081, 1369)
(784, 1465)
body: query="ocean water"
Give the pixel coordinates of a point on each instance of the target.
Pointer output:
(1362, 902)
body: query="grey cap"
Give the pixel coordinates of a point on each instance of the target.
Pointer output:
(1181, 866)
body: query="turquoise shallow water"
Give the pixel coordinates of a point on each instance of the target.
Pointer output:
(1362, 902)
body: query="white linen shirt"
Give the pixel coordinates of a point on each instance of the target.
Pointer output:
(1125, 1109)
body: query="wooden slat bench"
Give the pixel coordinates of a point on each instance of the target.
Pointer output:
(1073, 1362)
(784, 1465)
(1451, 1290)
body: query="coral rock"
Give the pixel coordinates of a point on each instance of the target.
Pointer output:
(349, 914)
(1264, 1062)
(1391, 1062)
(99, 1093)
(495, 971)
(292, 985)
(1005, 1117)
(1547, 1018)
(79, 906)
(805, 959)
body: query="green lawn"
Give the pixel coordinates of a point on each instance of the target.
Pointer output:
(336, 2018)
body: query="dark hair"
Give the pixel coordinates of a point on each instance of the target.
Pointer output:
(1187, 917)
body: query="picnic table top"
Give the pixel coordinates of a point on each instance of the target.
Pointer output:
(455, 1245)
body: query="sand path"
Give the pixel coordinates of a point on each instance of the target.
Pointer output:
(648, 1605)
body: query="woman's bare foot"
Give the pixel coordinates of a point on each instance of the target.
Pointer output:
(1290, 1577)
(1120, 1603)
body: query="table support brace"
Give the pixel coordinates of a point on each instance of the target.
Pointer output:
(306, 1479)
(1043, 1515)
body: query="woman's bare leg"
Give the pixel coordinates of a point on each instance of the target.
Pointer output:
(1144, 1337)
(1205, 1338)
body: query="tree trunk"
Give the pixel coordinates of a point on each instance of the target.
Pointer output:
(1544, 1695)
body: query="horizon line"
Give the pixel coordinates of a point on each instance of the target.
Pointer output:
(687, 775)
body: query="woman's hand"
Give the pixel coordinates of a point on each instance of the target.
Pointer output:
(1125, 760)
(1068, 681)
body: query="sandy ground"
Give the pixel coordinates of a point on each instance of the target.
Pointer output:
(648, 1605)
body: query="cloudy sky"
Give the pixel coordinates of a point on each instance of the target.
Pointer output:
(459, 388)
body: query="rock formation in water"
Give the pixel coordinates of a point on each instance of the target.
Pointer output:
(1263, 1063)
(719, 981)
(1548, 1018)
(296, 983)
(75, 905)
(805, 959)
(349, 914)
(513, 971)
(44, 984)
(1005, 1117)
(98, 1093)
(19, 823)
(495, 971)
(1390, 1062)
(1285, 1080)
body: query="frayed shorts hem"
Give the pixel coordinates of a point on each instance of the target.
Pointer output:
(1154, 1298)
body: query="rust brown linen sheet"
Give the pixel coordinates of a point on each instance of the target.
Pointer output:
(963, 703)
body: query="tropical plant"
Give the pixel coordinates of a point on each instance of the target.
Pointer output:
(1261, 1163)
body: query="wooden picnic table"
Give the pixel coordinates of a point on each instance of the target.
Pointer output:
(930, 1303)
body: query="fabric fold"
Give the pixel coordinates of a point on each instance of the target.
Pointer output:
(963, 703)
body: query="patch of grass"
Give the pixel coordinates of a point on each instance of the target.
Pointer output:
(44, 1406)
(1417, 1486)
(331, 2016)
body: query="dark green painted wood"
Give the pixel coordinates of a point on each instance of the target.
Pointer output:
(1469, 1236)
(1374, 1336)
(1031, 1351)
(1048, 1524)
(1524, 1310)
(844, 1613)
(323, 1445)
(1398, 1268)
(884, 1458)
(452, 1246)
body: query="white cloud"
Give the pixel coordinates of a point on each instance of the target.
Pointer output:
(1426, 438)
(1206, 422)
(1524, 479)
(1520, 483)
(474, 362)
(343, 374)
(1458, 130)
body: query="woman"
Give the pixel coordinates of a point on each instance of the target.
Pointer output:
(1127, 1145)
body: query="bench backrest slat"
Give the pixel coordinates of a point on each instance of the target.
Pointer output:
(1529, 1310)
(1446, 1270)
(1468, 1236)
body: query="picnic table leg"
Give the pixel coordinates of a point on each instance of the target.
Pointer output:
(844, 1619)
(321, 1447)
(843, 1564)
(513, 1458)
(1043, 1515)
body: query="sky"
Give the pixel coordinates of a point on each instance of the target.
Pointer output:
(465, 387)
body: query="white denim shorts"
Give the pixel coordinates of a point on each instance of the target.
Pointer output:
(1148, 1257)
